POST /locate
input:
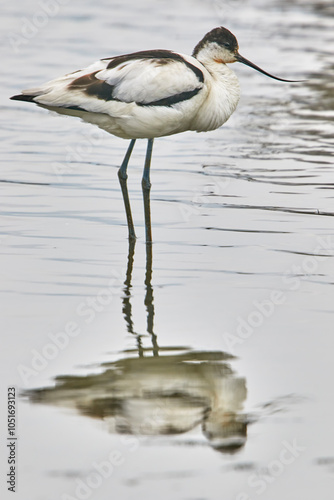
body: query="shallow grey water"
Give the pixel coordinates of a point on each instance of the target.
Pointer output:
(205, 370)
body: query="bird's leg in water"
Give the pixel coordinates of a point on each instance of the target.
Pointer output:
(146, 186)
(122, 175)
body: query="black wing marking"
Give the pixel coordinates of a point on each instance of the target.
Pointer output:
(160, 54)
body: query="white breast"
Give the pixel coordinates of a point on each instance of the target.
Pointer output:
(222, 98)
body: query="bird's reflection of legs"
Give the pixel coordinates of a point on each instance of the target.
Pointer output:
(149, 299)
(127, 308)
(146, 187)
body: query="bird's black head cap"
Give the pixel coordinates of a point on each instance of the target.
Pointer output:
(221, 36)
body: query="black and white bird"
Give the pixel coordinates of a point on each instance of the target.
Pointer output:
(150, 94)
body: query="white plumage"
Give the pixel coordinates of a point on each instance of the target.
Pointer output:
(151, 94)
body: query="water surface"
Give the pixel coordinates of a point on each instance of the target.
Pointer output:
(201, 369)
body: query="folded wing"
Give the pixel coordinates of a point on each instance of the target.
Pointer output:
(148, 78)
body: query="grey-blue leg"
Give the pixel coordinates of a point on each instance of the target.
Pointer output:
(146, 186)
(122, 175)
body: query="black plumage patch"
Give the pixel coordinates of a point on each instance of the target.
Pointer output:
(101, 90)
(174, 99)
(23, 97)
(83, 81)
(92, 86)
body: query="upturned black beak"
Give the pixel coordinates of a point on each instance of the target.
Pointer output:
(243, 60)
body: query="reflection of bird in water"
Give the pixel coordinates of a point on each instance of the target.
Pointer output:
(151, 94)
(170, 394)
(158, 391)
